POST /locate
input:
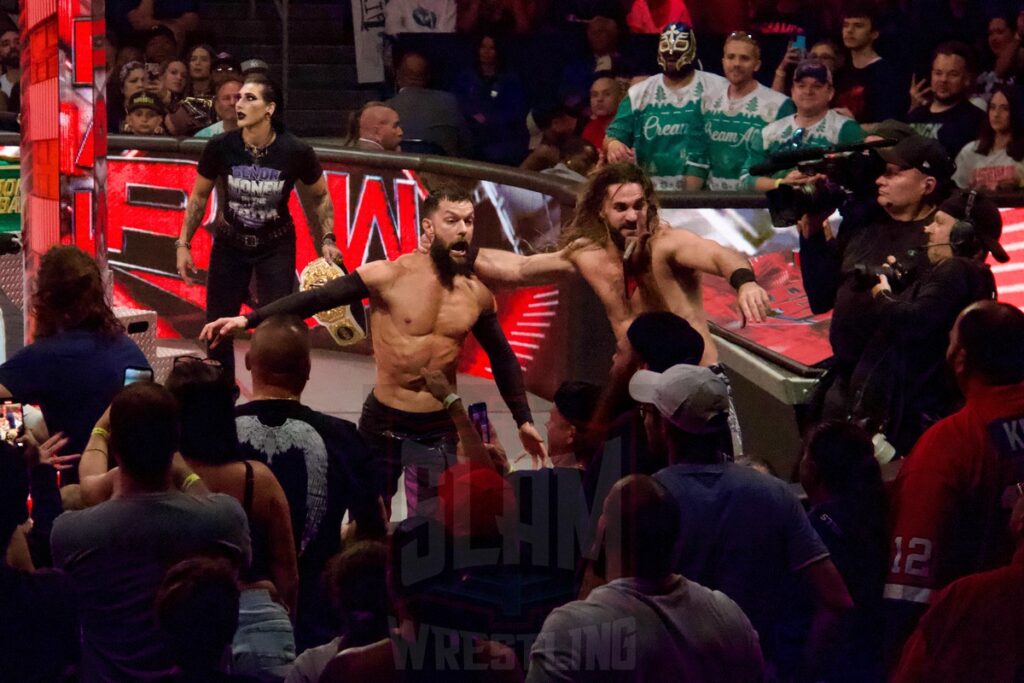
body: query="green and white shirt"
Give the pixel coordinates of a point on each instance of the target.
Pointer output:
(832, 129)
(665, 128)
(730, 125)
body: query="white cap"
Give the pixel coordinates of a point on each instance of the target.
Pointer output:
(688, 396)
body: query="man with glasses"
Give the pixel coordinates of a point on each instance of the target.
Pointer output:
(732, 116)
(813, 125)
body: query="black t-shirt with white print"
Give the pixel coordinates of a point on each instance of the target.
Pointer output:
(255, 195)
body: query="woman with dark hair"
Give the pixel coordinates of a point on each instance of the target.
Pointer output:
(995, 161)
(200, 71)
(1004, 49)
(255, 167)
(847, 500)
(79, 353)
(209, 444)
(493, 102)
(131, 79)
(357, 579)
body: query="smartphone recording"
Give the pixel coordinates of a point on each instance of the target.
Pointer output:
(135, 374)
(12, 426)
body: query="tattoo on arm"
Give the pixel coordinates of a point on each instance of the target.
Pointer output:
(194, 211)
(325, 213)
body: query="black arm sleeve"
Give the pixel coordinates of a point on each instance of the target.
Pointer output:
(820, 267)
(505, 366)
(341, 291)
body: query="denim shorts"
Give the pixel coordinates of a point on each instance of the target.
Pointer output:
(264, 644)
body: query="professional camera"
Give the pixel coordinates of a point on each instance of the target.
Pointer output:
(788, 203)
(850, 171)
(900, 273)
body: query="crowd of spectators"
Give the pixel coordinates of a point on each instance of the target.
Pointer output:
(207, 541)
(956, 83)
(164, 533)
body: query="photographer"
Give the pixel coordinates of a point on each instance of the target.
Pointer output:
(900, 384)
(917, 171)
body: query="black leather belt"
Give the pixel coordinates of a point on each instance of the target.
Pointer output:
(254, 241)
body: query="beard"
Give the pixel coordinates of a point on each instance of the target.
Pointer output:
(952, 99)
(617, 238)
(447, 267)
(12, 60)
(679, 74)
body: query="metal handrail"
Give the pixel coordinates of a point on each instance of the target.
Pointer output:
(561, 189)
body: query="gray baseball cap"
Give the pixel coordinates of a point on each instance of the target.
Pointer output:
(688, 396)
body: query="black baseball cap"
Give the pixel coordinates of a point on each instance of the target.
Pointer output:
(663, 339)
(925, 154)
(577, 401)
(223, 61)
(988, 222)
(891, 129)
(143, 100)
(161, 30)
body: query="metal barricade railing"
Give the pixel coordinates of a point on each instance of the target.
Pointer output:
(562, 190)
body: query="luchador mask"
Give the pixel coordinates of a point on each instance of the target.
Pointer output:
(677, 47)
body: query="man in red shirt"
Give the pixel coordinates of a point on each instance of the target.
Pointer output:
(975, 629)
(951, 501)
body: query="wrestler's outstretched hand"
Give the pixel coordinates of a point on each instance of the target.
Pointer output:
(332, 254)
(532, 442)
(754, 302)
(220, 328)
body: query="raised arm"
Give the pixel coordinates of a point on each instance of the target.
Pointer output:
(684, 249)
(498, 267)
(607, 279)
(473, 448)
(342, 291)
(319, 209)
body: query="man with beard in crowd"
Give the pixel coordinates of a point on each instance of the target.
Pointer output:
(739, 111)
(10, 60)
(422, 307)
(944, 111)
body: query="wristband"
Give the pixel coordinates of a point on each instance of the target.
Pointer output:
(189, 480)
(741, 276)
(180, 244)
(328, 237)
(100, 431)
(450, 399)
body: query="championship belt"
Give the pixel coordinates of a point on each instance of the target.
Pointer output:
(339, 321)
